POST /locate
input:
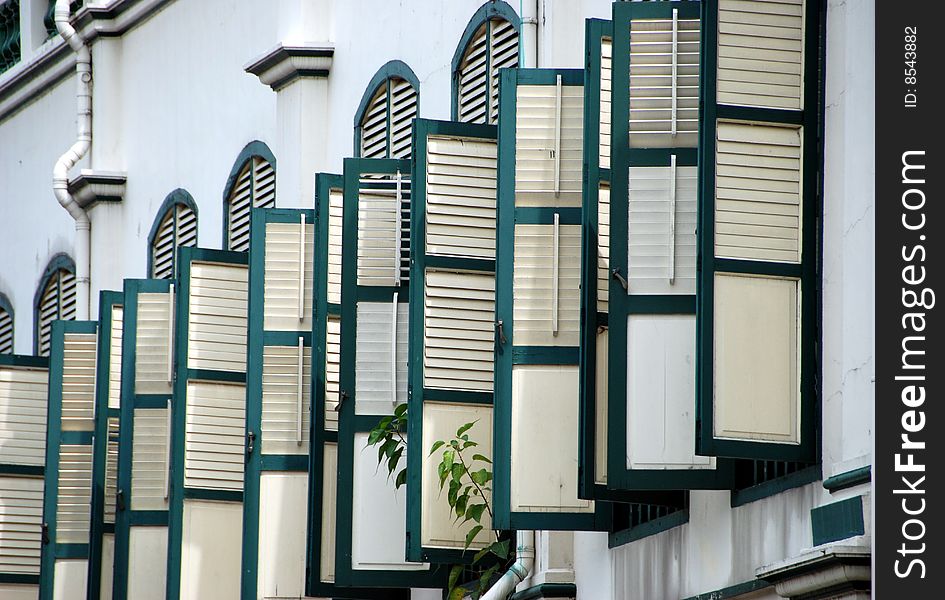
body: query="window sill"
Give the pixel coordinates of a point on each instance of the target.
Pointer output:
(776, 486)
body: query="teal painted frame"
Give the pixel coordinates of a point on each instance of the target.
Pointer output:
(389, 70)
(257, 340)
(59, 261)
(422, 129)
(253, 148)
(55, 437)
(182, 375)
(621, 304)
(125, 518)
(507, 216)
(178, 196)
(493, 9)
(107, 301)
(349, 423)
(810, 118)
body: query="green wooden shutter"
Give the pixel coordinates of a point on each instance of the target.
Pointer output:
(757, 234)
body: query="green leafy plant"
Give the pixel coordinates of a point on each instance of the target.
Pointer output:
(388, 436)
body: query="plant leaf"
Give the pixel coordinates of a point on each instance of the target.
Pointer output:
(469, 444)
(460, 507)
(500, 549)
(394, 459)
(482, 458)
(458, 471)
(376, 435)
(455, 572)
(474, 512)
(481, 477)
(471, 535)
(465, 428)
(454, 491)
(401, 410)
(443, 471)
(401, 479)
(436, 446)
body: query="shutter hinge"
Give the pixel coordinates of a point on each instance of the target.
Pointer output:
(342, 396)
(623, 281)
(120, 500)
(500, 330)
(250, 442)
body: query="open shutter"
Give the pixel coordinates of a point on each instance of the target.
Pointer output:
(70, 426)
(452, 321)
(757, 233)
(209, 440)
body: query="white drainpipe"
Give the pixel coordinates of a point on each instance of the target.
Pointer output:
(523, 565)
(528, 11)
(83, 228)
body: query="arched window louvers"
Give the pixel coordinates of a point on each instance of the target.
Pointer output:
(255, 187)
(494, 46)
(386, 124)
(178, 227)
(56, 303)
(6, 330)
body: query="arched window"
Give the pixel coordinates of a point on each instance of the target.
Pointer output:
(55, 300)
(252, 184)
(6, 325)
(175, 225)
(489, 43)
(382, 124)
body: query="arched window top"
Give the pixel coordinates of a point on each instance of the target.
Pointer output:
(489, 43)
(251, 184)
(174, 226)
(6, 325)
(54, 300)
(384, 119)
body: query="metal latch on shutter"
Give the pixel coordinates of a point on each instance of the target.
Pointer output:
(616, 275)
(250, 442)
(298, 398)
(500, 330)
(342, 396)
(302, 268)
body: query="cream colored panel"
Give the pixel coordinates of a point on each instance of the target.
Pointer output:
(384, 231)
(537, 121)
(147, 576)
(374, 126)
(154, 343)
(211, 550)
(534, 301)
(440, 421)
(282, 529)
(214, 450)
(107, 566)
(23, 399)
(73, 504)
(217, 327)
(285, 413)
(70, 579)
(606, 87)
(473, 77)
(600, 406)
(78, 382)
(603, 248)
(21, 524)
(758, 192)
(545, 409)
(335, 216)
(756, 348)
(403, 110)
(332, 371)
(329, 511)
(459, 330)
(661, 393)
(461, 181)
(661, 232)
(379, 516)
(114, 357)
(283, 284)
(149, 459)
(652, 89)
(19, 591)
(111, 469)
(761, 53)
(374, 368)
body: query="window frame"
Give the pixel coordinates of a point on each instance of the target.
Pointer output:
(253, 149)
(61, 261)
(395, 69)
(178, 197)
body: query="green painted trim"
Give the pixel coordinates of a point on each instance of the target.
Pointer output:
(390, 70)
(24, 360)
(57, 262)
(837, 521)
(213, 495)
(776, 486)
(29, 470)
(284, 338)
(450, 263)
(67, 551)
(289, 463)
(733, 591)
(151, 400)
(253, 148)
(76, 437)
(543, 216)
(19, 579)
(660, 157)
(146, 518)
(547, 590)
(842, 481)
(626, 536)
(181, 197)
(214, 375)
(545, 355)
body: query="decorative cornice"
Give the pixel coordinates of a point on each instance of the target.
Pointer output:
(283, 64)
(820, 573)
(91, 187)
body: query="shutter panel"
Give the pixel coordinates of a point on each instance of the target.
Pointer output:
(214, 438)
(162, 247)
(282, 283)
(149, 464)
(603, 246)
(601, 374)
(374, 125)
(111, 470)
(606, 89)
(332, 371)
(66, 295)
(21, 524)
(664, 110)
(186, 226)
(217, 324)
(473, 79)
(335, 199)
(239, 205)
(503, 54)
(153, 339)
(6, 331)
(460, 198)
(74, 494)
(403, 110)
(264, 183)
(376, 393)
(23, 399)
(78, 382)
(114, 357)
(281, 410)
(761, 53)
(329, 501)
(383, 231)
(758, 192)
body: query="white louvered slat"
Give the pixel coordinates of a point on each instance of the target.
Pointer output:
(606, 88)
(214, 436)
(461, 193)
(56, 302)
(67, 295)
(332, 371)
(761, 53)
(281, 281)
(758, 192)
(373, 375)
(111, 469)
(264, 183)
(153, 343)
(535, 143)
(503, 41)
(532, 288)
(374, 126)
(6, 332)
(403, 110)
(459, 317)
(335, 215)
(73, 504)
(603, 247)
(652, 86)
(114, 357)
(217, 317)
(186, 226)
(21, 524)
(239, 204)
(162, 248)
(661, 233)
(23, 400)
(149, 459)
(78, 382)
(472, 86)
(280, 384)
(383, 228)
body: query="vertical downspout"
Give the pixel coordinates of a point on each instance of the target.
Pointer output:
(83, 227)
(528, 51)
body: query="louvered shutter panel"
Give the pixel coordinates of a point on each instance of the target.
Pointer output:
(503, 54)
(264, 183)
(217, 324)
(114, 357)
(78, 385)
(603, 247)
(6, 332)
(403, 110)
(384, 231)
(66, 295)
(606, 90)
(23, 398)
(163, 246)
(335, 199)
(287, 283)
(332, 371)
(329, 501)
(239, 205)
(281, 410)
(111, 469)
(186, 225)
(21, 525)
(474, 80)
(374, 125)
(153, 343)
(56, 302)
(381, 343)
(761, 53)
(601, 374)
(215, 435)
(149, 466)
